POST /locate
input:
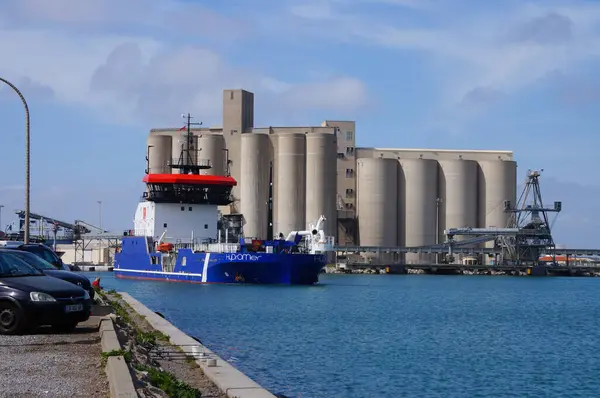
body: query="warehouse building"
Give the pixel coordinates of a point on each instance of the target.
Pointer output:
(370, 196)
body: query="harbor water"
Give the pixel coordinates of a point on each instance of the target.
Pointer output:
(396, 335)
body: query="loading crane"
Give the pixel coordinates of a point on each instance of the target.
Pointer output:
(528, 234)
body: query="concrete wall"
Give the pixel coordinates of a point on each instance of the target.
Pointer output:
(347, 231)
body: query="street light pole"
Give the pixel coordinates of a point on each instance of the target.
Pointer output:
(27, 157)
(1, 206)
(100, 213)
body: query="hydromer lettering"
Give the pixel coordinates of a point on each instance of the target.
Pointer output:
(242, 257)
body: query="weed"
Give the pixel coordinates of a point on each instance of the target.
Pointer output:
(169, 384)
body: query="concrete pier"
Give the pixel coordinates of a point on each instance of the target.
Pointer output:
(230, 380)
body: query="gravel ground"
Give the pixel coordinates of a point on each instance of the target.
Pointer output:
(47, 364)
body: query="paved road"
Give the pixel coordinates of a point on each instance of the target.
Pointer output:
(47, 364)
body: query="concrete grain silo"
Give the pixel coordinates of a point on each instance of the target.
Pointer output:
(458, 189)
(497, 182)
(211, 147)
(159, 153)
(418, 213)
(321, 192)
(254, 184)
(179, 158)
(377, 201)
(290, 186)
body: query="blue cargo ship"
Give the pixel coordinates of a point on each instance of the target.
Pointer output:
(179, 234)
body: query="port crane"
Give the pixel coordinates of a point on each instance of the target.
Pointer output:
(528, 234)
(526, 237)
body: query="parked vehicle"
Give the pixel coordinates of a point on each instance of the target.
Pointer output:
(29, 298)
(42, 265)
(45, 253)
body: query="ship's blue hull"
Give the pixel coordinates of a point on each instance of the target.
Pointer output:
(135, 262)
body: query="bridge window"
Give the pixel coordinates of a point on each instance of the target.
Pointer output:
(165, 225)
(182, 208)
(190, 208)
(205, 226)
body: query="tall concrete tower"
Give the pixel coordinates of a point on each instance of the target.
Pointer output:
(238, 118)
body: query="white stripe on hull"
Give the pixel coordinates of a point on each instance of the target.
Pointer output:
(204, 270)
(161, 273)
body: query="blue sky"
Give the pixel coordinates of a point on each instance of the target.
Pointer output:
(515, 75)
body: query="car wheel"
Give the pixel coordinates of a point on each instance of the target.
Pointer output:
(11, 318)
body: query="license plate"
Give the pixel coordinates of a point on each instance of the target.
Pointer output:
(74, 308)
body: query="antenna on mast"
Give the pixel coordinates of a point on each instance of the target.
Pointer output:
(187, 163)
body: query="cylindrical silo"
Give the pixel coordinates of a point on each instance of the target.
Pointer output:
(291, 184)
(418, 206)
(159, 154)
(211, 147)
(497, 183)
(179, 153)
(458, 189)
(321, 162)
(254, 184)
(377, 198)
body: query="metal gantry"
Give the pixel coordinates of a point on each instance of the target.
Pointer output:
(523, 241)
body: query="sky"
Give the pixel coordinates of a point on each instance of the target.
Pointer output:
(461, 74)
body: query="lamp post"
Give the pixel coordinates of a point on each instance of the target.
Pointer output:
(27, 157)
(100, 214)
(1, 229)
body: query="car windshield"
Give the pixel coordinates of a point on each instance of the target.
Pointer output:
(46, 254)
(33, 260)
(12, 266)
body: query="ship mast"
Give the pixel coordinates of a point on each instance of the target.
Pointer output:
(187, 164)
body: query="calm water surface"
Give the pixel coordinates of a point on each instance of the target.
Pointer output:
(397, 336)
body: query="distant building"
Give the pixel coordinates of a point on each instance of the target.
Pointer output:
(370, 196)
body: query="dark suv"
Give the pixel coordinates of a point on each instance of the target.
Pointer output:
(28, 298)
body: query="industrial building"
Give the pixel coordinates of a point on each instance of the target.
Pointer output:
(370, 196)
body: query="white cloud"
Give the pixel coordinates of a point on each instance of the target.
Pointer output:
(140, 60)
(505, 50)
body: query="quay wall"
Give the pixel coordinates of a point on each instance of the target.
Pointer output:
(230, 380)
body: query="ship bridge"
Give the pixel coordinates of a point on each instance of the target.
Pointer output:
(189, 188)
